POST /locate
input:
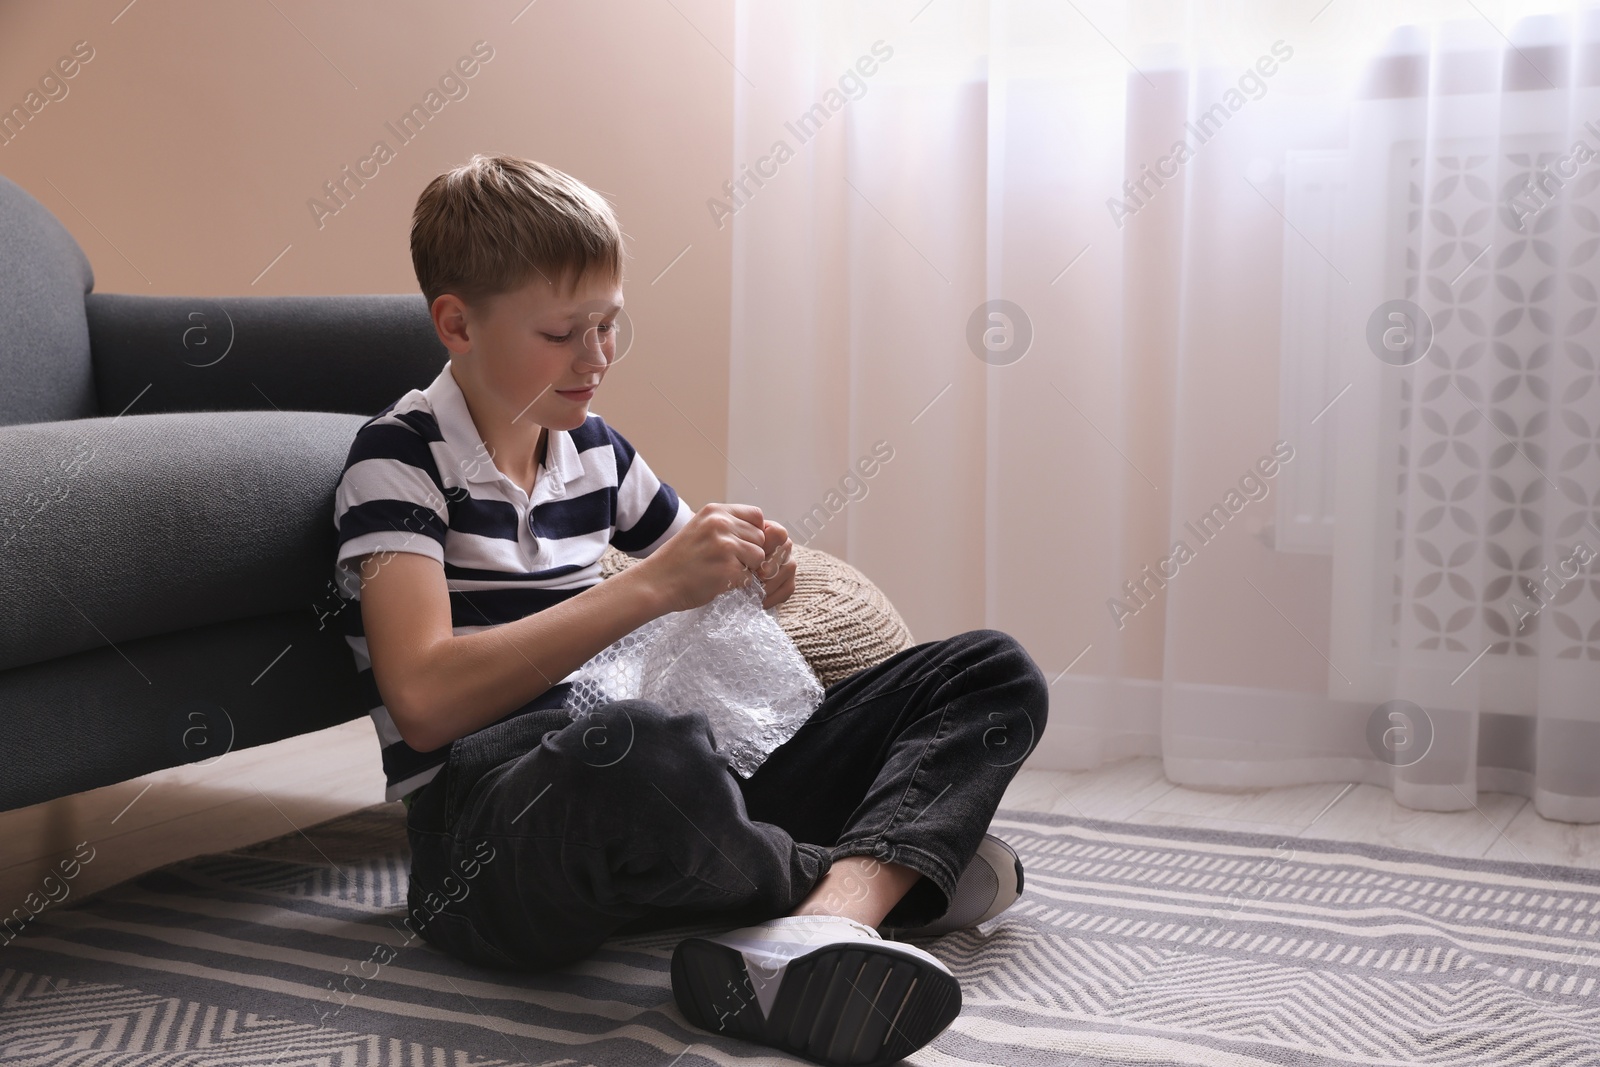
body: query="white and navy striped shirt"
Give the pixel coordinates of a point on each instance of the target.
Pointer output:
(419, 479)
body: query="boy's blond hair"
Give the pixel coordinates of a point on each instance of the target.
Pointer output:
(496, 222)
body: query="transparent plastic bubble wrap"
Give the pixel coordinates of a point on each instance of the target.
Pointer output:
(728, 659)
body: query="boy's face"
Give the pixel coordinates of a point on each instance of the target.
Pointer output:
(532, 347)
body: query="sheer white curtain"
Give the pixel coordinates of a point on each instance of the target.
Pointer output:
(1240, 360)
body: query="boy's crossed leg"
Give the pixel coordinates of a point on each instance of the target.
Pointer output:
(625, 814)
(630, 816)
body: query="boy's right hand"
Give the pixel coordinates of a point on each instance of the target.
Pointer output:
(719, 549)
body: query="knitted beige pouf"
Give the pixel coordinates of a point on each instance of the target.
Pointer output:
(839, 620)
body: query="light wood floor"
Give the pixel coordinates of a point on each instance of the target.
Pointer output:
(254, 794)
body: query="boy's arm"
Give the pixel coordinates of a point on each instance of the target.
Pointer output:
(391, 517)
(438, 686)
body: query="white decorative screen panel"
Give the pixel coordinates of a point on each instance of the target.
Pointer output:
(1480, 584)
(1496, 454)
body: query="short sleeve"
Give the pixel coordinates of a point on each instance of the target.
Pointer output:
(389, 498)
(649, 511)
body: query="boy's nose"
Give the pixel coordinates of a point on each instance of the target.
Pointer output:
(594, 357)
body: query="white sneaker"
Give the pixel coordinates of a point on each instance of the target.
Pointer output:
(824, 987)
(991, 883)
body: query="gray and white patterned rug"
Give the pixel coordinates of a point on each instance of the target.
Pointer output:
(1132, 944)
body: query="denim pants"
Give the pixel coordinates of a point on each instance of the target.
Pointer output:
(542, 836)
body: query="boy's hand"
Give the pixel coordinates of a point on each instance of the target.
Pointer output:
(776, 572)
(717, 550)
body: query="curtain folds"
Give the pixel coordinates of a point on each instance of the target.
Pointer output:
(1244, 367)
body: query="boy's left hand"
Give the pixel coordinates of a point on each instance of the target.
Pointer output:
(776, 572)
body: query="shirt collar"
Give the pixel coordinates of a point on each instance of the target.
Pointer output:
(450, 411)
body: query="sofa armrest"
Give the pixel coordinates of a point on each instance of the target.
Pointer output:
(352, 354)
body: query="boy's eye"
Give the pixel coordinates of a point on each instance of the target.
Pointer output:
(603, 327)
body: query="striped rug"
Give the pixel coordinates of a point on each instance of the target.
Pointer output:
(1131, 945)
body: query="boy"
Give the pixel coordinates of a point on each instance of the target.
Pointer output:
(471, 516)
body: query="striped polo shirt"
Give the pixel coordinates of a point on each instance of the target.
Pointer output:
(418, 478)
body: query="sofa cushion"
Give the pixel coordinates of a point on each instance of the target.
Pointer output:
(122, 528)
(45, 372)
(839, 620)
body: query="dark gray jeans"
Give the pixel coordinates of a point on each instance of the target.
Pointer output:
(543, 836)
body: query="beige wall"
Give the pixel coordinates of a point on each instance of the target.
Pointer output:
(185, 152)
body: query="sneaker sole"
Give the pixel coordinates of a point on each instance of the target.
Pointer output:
(862, 1005)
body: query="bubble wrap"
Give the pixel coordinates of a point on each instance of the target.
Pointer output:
(728, 659)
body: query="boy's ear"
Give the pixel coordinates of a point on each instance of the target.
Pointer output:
(450, 323)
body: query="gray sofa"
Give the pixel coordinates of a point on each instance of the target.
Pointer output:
(167, 467)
